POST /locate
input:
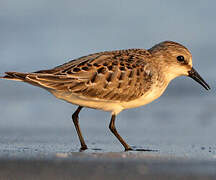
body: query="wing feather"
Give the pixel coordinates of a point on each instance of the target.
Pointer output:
(115, 75)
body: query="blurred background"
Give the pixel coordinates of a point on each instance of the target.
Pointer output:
(42, 34)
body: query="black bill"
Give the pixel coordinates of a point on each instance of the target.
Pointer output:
(194, 75)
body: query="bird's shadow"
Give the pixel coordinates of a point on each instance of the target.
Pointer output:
(134, 149)
(144, 150)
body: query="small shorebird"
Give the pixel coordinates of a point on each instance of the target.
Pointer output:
(114, 80)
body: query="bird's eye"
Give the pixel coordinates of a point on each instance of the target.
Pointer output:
(180, 58)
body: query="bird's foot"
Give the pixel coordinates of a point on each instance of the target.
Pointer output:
(83, 148)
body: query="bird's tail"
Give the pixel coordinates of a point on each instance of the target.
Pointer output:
(16, 76)
(44, 80)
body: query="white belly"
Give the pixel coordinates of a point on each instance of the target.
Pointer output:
(148, 97)
(107, 105)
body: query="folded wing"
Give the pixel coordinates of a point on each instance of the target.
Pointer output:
(117, 75)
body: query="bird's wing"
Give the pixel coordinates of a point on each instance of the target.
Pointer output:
(117, 75)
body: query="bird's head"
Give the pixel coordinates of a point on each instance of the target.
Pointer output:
(176, 60)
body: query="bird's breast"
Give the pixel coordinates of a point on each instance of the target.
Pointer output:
(155, 92)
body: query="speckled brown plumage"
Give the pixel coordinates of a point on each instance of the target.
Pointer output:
(114, 80)
(115, 75)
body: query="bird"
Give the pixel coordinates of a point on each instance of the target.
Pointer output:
(115, 80)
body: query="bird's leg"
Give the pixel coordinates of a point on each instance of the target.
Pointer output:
(75, 118)
(114, 131)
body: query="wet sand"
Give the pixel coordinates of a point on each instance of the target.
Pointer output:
(38, 141)
(51, 155)
(97, 166)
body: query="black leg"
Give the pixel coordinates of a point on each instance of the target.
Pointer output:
(75, 118)
(114, 131)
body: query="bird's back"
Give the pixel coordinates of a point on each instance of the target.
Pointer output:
(122, 75)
